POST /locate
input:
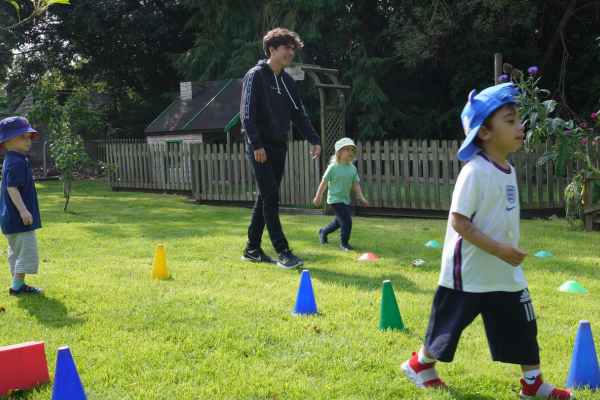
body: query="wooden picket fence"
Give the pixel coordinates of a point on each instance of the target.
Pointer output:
(417, 175)
(392, 172)
(148, 166)
(98, 152)
(227, 175)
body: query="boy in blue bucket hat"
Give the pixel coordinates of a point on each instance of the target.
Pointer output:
(481, 270)
(19, 211)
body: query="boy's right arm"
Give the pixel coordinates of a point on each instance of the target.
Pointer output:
(17, 200)
(504, 251)
(251, 95)
(320, 190)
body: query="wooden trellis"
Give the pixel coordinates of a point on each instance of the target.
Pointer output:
(332, 115)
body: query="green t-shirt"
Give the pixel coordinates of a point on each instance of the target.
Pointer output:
(340, 180)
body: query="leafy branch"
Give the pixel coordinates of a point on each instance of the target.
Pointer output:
(571, 139)
(39, 7)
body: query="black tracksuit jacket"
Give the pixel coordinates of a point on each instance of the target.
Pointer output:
(268, 103)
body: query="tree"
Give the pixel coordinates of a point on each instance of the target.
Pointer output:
(346, 36)
(453, 42)
(120, 43)
(65, 120)
(411, 63)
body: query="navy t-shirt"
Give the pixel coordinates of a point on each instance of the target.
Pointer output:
(16, 172)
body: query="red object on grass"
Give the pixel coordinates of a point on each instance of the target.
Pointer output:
(368, 256)
(22, 366)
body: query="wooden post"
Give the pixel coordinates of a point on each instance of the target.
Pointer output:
(497, 67)
(589, 214)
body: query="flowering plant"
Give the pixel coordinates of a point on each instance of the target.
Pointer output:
(571, 138)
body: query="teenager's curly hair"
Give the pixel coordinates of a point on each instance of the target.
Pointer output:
(280, 36)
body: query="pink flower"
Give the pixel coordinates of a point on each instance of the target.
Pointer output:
(583, 140)
(554, 134)
(593, 115)
(569, 132)
(582, 125)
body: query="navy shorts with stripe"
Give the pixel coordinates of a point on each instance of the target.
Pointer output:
(508, 318)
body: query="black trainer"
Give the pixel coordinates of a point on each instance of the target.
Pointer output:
(346, 247)
(257, 255)
(288, 260)
(322, 237)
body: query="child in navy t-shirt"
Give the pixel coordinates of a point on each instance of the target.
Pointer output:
(19, 211)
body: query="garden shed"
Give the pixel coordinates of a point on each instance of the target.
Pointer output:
(206, 112)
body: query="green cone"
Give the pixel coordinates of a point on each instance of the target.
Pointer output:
(390, 314)
(572, 286)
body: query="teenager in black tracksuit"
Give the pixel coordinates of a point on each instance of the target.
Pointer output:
(270, 98)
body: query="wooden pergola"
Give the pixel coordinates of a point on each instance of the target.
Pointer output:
(332, 115)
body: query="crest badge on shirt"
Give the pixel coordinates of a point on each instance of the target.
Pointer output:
(510, 194)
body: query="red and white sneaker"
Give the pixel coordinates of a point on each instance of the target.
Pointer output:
(422, 375)
(544, 390)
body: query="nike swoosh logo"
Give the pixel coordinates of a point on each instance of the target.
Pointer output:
(508, 209)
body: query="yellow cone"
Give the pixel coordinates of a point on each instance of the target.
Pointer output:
(159, 270)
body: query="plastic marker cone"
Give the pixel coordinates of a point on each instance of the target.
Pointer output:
(572, 286)
(390, 314)
(368, 256)
(584, 369)
(543, 254)
(22, 366)
(159, 270)
(432, 243)
(67, 385)
(305, 300)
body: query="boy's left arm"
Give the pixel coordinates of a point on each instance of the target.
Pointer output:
(504, 251)
(358, 191)
(302, 121)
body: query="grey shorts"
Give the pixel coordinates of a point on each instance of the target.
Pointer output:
(23, 255)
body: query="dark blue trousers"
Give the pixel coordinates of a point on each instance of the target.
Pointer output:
(343, 220)
(268, 177)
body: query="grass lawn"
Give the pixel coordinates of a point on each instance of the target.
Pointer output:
(224, 329)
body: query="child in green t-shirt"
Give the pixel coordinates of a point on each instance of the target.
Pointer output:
(341, 176)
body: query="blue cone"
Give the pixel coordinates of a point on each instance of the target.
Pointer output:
(67, 385)
(305, 300)
(584, 370)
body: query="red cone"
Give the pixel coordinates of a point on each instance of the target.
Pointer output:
(369, 256)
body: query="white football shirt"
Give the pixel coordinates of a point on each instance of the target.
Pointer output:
(487, 194)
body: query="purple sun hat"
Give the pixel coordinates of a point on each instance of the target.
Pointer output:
(15, 126)
(477, 110)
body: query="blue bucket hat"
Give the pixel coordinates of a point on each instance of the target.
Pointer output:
(477, 109)
(15, 126)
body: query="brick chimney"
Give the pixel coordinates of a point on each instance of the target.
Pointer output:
(190, 89)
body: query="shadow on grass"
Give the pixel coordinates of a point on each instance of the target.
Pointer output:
(25, 394)
(457, 394)
(368, 283)
(47, 311)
